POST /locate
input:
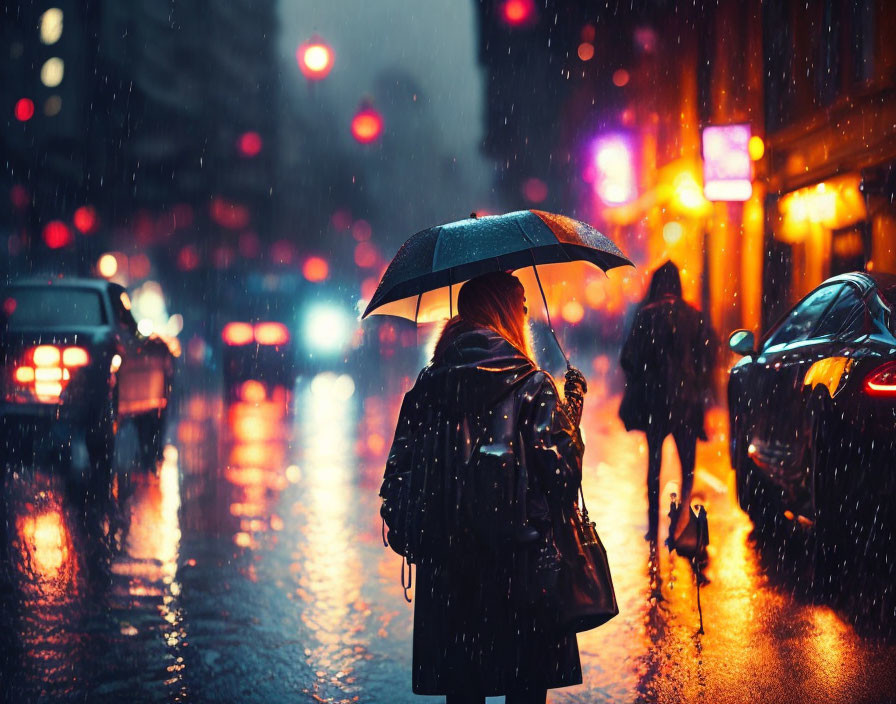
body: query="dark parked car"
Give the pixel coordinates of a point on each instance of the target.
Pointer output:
(74, 362)
(813, 413)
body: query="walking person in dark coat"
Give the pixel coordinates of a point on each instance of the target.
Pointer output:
(668, 360)
(502, 456)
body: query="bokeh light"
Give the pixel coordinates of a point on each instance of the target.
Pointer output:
(107, 266)
(85, 218)
(57, 234)
(315, 59)
(620, 78)
(24, 109)
(367, 125)
(315, 269)
(249, 144)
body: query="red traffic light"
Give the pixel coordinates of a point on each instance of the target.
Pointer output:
(518, 13)
(315, 59)
(85, 218)
(57, 234)
(249, 144)
(367, 125)
(24, 109)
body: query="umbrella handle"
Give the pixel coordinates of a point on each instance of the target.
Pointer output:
(548, 312)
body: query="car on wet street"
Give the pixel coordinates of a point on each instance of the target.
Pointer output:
(75, 365)
(258, 352)
(812, 411)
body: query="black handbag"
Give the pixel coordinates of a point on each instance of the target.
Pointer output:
(586, 594)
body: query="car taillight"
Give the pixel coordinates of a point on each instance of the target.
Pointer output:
(271, 334)
(75, 357)
(237, 334)
(882, 381)
(46, 369)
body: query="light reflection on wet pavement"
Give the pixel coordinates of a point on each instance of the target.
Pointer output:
(249, 566)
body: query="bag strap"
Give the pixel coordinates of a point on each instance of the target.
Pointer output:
(582, 497)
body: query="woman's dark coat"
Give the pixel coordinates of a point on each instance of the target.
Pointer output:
(668, 360)
(500, 457)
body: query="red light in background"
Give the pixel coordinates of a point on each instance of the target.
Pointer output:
(361, 230)
(588, 33)
(535, 190)
(366, 255)
(233, 216)
(85, 218)
(237, 334)
(518, 13)
(57, 234)
(249, 144)
(282, 252)
(341, 220)
(620, 78)
(315, 59)
(315, 269)
(75, 357)
(24, 109)
(271, 334)
(188, 258)
(368, 287)
(586, 51)
(18, 196)
(367, 125)
(138, 266)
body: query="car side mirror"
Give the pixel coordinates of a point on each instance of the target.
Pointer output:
(742, 342)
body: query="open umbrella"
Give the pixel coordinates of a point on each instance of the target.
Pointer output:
(421, 282)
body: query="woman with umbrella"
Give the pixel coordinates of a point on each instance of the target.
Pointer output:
(479, 626)
(497, 453)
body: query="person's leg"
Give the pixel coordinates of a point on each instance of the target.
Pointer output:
(686, 444)
(464, 699)
(654, 462)
(533, 696)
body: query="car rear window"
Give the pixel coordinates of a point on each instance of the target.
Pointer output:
(52, 307)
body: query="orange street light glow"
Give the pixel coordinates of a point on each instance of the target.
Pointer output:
(315, 269)
(367, 125)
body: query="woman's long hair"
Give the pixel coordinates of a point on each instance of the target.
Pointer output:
(494, 301)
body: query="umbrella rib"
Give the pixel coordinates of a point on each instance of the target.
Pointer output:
(546, 311)
(417, 309)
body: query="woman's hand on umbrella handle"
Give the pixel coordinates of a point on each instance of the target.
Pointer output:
(576, 383)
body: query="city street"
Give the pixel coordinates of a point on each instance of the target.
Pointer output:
(249, 566)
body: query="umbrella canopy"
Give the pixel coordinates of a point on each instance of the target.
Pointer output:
(422, 281)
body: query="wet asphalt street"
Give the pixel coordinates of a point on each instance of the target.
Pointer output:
(249, 566)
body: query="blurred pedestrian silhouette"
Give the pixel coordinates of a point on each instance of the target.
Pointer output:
(668, 359)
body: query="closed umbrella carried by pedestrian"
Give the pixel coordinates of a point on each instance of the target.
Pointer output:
(422, 281)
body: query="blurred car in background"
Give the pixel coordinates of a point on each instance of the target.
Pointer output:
(260, 352)
(813, 414)
(75, 363)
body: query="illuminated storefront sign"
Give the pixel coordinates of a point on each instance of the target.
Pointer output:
(832, 204)
(726, 163)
